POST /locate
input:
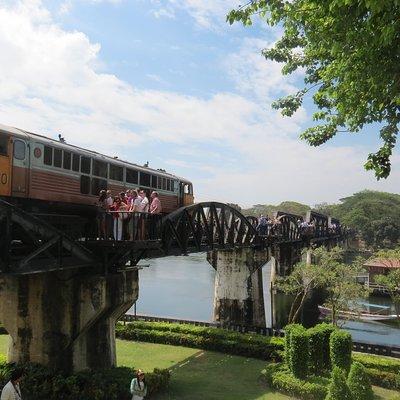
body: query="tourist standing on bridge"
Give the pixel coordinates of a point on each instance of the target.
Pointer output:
(118, 207)
(138, 386)
(155, 206)
(109, 217)
(11, 390)
(101, 214)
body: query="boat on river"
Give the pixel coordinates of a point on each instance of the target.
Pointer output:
(359, 314)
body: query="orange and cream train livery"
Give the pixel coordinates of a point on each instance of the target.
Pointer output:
(44, 175)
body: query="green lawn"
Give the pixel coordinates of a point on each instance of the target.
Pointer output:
(199, 375)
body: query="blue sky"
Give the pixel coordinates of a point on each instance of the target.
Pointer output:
(169, 82)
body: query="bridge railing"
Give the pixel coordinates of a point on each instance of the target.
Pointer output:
(128, 225)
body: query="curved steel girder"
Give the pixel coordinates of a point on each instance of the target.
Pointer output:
(207, 225)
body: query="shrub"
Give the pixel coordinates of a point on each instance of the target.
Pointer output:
(340, 349)
(284, 381)
(338, 389)
(318, 336)
(359, 383)
(299, 352)
(379, 362)
(41, 383)
(256, 346)
(288, 330)
(388, 380)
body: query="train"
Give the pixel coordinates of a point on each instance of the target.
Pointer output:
(47, 176)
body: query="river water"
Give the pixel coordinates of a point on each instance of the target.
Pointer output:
(183, 287)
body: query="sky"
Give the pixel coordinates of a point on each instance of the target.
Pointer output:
(170, 82)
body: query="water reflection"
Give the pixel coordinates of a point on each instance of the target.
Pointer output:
(183, 287)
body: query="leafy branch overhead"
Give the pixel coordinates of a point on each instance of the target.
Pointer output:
(350, 52)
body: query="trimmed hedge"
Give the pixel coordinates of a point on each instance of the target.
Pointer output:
(41, 383)
(382, 363)
(299, 353)
(340, 349)
(319, 353)
(338, 389)
(359, 383)
(283, 381)
(388, 380)
(215, 339)
(288, 331)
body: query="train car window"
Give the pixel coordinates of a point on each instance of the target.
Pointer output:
(144, 179)
(3, 145)
(85, 165)
(164, 184)
(100, 168)
(116, 173)
(154, 181)
(85, 184)
(19, 150)
(67, 160)
(75, 162)
(57, 158)
(169, 185)
(48, 155)
(132, 176)
(97, 185)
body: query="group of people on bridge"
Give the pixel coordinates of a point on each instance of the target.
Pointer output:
(124, 216)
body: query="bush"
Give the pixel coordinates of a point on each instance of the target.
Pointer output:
(359, 383)
(388, 380)
(340, 349)
(288, 330)
(41, 383)
(255, 346)
(379, 362)
(299, 352)
(285, 382)
(319, 358)
(338, 389)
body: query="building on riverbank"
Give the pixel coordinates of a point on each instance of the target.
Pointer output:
(380, 267)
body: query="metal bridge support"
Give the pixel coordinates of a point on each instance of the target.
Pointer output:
(238, 291)
(65, 321)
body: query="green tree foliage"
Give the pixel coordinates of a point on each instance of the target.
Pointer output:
(392, 280)
(338, 389)
(340, 349)
(290, 207)
(359, 383)
(349, 52)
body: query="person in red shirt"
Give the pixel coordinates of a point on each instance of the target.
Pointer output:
(155, 206)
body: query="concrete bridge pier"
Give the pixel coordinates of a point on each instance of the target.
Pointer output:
(238, 291)
(65, 320)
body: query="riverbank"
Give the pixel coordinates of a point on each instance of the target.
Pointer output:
(199, 375)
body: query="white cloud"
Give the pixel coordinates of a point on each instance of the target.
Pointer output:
(50, 83)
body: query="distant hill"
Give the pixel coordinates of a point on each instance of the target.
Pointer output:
(376, 215)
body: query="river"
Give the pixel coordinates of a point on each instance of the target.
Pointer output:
(183, 287)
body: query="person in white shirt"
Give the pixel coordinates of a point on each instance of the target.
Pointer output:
(144, 205)
(11, 390)
(138, 386)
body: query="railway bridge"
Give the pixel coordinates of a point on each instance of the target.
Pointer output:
(62, 290)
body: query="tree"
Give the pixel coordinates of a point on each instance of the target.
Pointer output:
(390, 258)
(300, 283)
(349, 50)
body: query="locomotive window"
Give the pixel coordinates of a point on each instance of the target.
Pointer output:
(85, 184)
(97, 185)
(144, 179)
(75, 162)
(19, 150)
(100, 168)
(116, 173)
(85, 165)
(3, 145)
(132, 176)
(67, 160)
(57, 158)
(48, 155)
(154, 181)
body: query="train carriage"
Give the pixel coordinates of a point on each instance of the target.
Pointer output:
(44, 175)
